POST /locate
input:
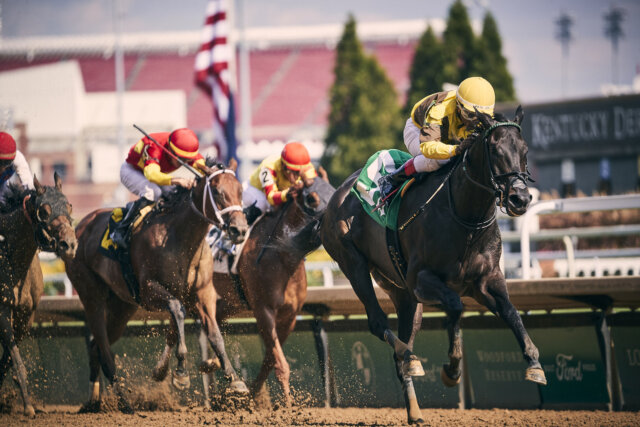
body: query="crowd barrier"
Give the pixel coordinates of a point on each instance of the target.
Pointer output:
(591, 358)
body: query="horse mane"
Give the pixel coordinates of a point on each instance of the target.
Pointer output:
(177, 195)
(14, 197)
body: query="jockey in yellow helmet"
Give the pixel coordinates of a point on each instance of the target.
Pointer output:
(436, 122)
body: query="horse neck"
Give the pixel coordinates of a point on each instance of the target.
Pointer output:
(293, 233)
(471, 202)
(186, 223)
(19, 239)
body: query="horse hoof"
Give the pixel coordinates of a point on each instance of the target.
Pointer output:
(238, 387)
(30, 412)
(416, 421)
(413, 367)
(159, 374)
(447, 380)
(180, 381)
(536, 375)
(210, 365)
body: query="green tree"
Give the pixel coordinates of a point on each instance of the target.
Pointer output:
(365, 115)
(459, 45)
(490, 63)
(427, 70)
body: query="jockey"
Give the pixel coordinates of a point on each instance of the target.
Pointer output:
(13, 166)
(436, 122)
(275, 180)
(147, 171)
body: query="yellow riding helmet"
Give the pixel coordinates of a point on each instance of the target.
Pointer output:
(476, 92)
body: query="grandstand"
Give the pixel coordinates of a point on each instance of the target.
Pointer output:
(291, 71)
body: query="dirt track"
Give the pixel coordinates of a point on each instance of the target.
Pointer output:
(68, 416)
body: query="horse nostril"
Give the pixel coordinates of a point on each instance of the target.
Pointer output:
(519, 201)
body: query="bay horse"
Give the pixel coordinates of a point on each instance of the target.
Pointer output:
(30, 221)
(451, 243)
(173, 267)
(272, 279)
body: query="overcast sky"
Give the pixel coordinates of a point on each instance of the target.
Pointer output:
(527, 29)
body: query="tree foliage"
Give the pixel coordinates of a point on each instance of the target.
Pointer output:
(490, 63)
(427, 69)
(459, 45)
(365, 115)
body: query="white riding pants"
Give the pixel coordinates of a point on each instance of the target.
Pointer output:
(251, 194)
(135, 181)
(412, 141)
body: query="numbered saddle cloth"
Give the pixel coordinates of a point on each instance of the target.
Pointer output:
(366, 187)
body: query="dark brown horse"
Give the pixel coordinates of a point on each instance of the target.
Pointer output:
(451, 243)
(272, 277)
(173, 267)
(30, 220)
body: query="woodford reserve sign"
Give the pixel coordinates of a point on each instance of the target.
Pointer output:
(582, 128)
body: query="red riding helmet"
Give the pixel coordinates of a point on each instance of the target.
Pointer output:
(7, 147)
(184, 143)
(295, 156)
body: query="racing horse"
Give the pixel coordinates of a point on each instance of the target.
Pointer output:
(272, 279)
(30, 221)
(173, 267)
(450, 241)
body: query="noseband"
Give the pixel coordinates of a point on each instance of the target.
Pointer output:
(509, 178)
(44, 240)
(216, 210)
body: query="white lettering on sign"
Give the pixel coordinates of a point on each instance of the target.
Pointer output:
(633, 356)
(626, 122)
(568, 128)
(503, 375)
(498, 356)
(565, 371)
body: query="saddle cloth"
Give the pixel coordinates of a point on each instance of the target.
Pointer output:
(366, 186)
(225, 253)
(107, 246)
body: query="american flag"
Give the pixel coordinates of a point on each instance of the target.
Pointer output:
(213, 76)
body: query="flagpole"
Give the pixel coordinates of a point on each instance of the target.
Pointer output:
(245, 85)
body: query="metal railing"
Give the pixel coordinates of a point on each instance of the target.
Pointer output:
(587, 204)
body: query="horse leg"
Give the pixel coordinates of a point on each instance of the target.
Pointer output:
(100, 354)
(274, 330)
(409, 323)
(9, 344)
(356, 268)
(206, 307)
(428, 288)
(496, 299)
(157, 297)
(161, 369)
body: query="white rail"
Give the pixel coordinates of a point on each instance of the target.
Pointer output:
(586, 204)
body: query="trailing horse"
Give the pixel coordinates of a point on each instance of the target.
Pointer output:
(448, 235)
(30, 221)
(172, 265)
(271, 277)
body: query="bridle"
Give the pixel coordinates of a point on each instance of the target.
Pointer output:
(208, 194)
(509, 178)
(45, 241)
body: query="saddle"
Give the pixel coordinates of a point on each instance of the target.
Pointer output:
(112, 250)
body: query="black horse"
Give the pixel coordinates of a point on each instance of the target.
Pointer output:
(449, 237)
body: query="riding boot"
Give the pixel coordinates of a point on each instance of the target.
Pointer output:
(388, 183)
(120, 234)
(252, 213)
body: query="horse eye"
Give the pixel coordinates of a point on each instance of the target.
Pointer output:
(43, 213)
(69, 208)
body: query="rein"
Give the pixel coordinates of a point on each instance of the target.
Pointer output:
(216, 210)
(494, 189)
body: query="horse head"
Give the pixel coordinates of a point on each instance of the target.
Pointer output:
(506, 153)
(314, 193)
(49, 212)
(221, 194)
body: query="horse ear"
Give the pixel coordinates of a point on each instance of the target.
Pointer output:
(233, 164)
(58, 181)
(39, 188)
(323, 173)
(519, 115)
